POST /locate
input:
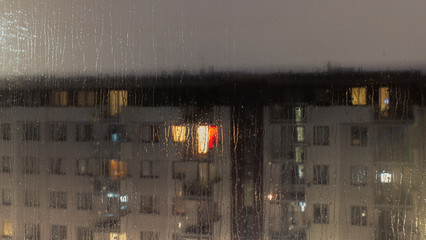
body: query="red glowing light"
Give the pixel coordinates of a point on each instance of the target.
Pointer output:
(213, 136)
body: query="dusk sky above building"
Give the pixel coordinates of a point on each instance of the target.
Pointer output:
(140, 36)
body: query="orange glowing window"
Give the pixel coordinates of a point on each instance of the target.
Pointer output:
(179, 133)
(117, 168)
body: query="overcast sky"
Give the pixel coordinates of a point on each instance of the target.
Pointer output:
(137, 36)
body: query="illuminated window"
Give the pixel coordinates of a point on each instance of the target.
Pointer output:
(84, 233)
(7, 229)
(179, 133)
(55, 166)
(57, 131)
(359, 96)
(321, 174)
(149, 133)
(203, 139)
(149, 205)
(386, 177)
(32, 198)
(32, 231)
(117, 99)
(299, 153)
(321, 213)
(359, 216)
(84, 201)
(179, 206)
(359, 136)
(31, 165)
(7, 196)
(358, 175)
(213, 136)
(84, 132)
(6, 164)
(384, 101)
(59, 232)
(150, 235)
(6, 131)
(59, 98)
(58, 200)
(300, 134)
(118, 236)
(31, 131)
(117, 168)
(299, 113)
(321, 135)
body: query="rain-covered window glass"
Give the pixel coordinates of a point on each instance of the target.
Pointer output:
(212, 120)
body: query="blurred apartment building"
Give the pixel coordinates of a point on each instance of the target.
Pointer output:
(352, 171)
(240, 161)
(78, 171)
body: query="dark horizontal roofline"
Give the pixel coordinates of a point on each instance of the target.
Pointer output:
(217, 79)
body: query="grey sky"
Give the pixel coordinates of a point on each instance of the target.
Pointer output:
(128, 36)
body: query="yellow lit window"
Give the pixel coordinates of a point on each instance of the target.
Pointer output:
(7, 229)
(359, 96)
(117, 236)
(384, 101)
(117, 168)
(59, 98)
(203, 139)
(116, 100)
(179, 133)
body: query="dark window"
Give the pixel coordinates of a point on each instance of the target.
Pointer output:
(7, 196)
(358, 175)
(149, 133)
(5, 131)
(147, 169)
(56, 166)
(149, 205)
(84, 132)
(84, 201)
(6, 164)
(359, 136)
(58, 132)
(84, 233)
(117, 133)
(321, 135)
(293, 174)
(59, 232)
(179, 170)
(32, 198)
(150, 235)
(359, 216)
(32, 231)
(31, 131)
(179, 206)
(31, 165)
(321, 213)
(58, 200)
(321, 174)
(84, 167)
